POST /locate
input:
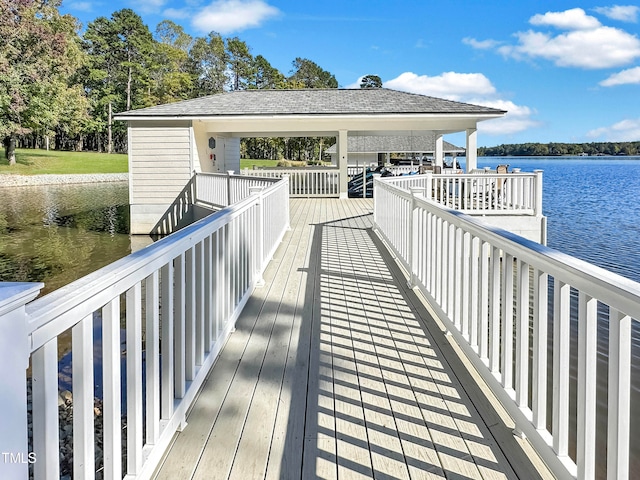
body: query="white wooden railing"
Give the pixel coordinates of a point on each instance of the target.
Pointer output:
(486, 193)
(157, 318)
(304, 181)
(498, 294)
(217, 191)
(395, 169)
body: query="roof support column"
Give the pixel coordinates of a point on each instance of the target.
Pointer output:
(439, 153)
(472, 149)
(343, 144)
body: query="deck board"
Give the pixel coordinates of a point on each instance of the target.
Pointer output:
(336, 370)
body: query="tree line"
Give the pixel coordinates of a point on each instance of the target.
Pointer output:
(552, 149)
(61, 88)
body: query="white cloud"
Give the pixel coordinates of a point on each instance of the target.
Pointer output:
(602, 47)
(480, 44)
(518, 118)
(450, 85)
(624, 131)
(625, 77)
(574, 19)
(472, 88)
(586, 43)
(624, 13)
(227, 16)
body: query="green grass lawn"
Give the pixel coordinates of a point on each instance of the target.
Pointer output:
(250, 162)
(36, 162)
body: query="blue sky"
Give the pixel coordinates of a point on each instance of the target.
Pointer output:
(565, 71)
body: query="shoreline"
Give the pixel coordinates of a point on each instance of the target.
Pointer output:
(13, 180)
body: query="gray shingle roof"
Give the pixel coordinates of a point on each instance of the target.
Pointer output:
(309, 102)
(395, 143)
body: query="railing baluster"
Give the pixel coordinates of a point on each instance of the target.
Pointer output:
(202, 332)
(111, 378)
(465, 282)
(540, 345)
(474, 297)
(507, 321)
(44, 363)
(451, 269)
(483, 311)
(190, 315)
(430, 253)
(587, 371)
(561, 347)
(82, 376)
(439, 267)
(152, 357)
(134, 378)
(494, 313)
(619, 417)
(166, 345)
(179, 387)
(522, 336)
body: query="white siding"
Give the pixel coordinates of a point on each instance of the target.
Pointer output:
(159, 161)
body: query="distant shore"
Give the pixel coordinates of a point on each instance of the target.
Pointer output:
(11, 180)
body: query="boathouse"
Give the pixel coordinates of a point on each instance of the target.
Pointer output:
(169, 143)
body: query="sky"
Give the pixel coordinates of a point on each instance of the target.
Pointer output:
(565, 71)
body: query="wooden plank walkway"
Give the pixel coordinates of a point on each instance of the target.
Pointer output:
(336, 370)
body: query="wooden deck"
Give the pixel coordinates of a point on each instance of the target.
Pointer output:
(336, 370)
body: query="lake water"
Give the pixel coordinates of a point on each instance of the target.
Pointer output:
(58, 233)
(592, 205)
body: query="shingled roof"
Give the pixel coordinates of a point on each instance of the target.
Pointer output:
(333, 101)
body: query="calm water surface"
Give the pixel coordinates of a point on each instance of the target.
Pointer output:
(58, 233)
(592, 205)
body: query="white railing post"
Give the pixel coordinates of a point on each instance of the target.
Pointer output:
(14, 345)
(229, 195)
(429, 190)
(413, 234)
(285, 178)
(257, 191)
(537, 203)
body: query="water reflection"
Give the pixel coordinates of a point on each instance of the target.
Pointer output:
(58, 233)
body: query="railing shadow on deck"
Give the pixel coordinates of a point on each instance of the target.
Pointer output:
(381, 401)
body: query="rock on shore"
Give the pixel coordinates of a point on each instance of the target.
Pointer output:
(11, 180)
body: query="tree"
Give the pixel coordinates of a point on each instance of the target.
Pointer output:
(39, 55)
(171, 79)
(307, 74)
(119, 71)
(208, 64)
(371, 81)
(240, 63)
(134, 45)
(265, 76)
